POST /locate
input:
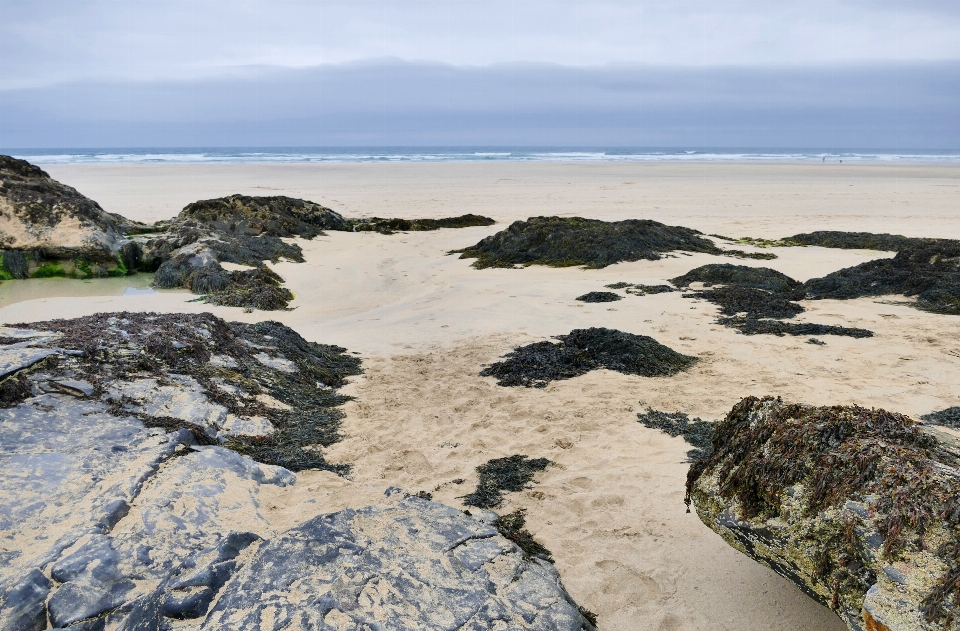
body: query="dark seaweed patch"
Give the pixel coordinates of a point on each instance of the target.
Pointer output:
(698, 433)
(583, 350)
(949, 417)
(763, 447)
(569, 241)
(599, 296)
(759, 256)
(389, 226)
(753, 326)
(510, 474)
(743, 276)
(512, 525)
(755, 303)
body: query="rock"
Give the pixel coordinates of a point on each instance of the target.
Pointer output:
(114, 516)
(860, 508)
(48, 228)
(412, 564)
(566, 241)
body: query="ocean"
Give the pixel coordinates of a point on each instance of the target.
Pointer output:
(468, 154)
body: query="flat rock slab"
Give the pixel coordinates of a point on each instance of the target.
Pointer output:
(409, 565)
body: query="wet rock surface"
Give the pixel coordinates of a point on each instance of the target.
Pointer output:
(129, 498)
(50, 229)
(858, 507)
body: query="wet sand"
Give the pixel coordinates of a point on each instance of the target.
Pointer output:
(425, 323)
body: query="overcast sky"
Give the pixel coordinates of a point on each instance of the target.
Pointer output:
(665, 73)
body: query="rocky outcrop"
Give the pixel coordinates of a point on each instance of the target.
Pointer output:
(133, 460)
(412, 564)
(860, 508)
(50, 229)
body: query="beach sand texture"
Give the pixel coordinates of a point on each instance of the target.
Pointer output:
(425, 323)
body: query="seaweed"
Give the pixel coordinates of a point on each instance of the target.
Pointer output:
(588, 615)
(583, 350)
(110, 346)
(570, 241)
(511, 526)
(949, 417)
(510, 474)
(759, 256)
(931, 272)
(698, 433)
(743, 276)
(755, 303)
(754, 326)
(816, 342)
(259, 288)
(599, 296)
(642, 290)
(764, 447)
(389, 226)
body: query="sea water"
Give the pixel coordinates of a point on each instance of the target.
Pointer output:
(470, 154)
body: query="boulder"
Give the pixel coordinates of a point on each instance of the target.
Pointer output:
(860, 508)
(130, 496)
(43, 222)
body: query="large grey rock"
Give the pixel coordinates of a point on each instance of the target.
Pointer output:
(860, 508)
(121, 509)
(412, 564)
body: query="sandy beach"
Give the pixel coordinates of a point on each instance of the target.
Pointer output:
(425, 323)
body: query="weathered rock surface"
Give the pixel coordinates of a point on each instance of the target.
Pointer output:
(413, 564)
(860, 508)
(125, 503)
(48, 228)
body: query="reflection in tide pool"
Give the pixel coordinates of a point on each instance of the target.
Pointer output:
(13, 291)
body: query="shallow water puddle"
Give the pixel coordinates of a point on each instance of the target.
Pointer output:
(13, 291)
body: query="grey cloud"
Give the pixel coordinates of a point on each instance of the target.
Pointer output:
(53, 41)
(397, 103)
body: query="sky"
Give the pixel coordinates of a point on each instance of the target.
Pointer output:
(669, 73)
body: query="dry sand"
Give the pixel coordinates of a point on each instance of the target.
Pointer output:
(425, 323)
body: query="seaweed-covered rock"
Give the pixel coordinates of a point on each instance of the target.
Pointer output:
(567, 241)
(863, 240)
(858, 507)
(599, 296)
(931, 272)
(199, 373)
(277, 216)
(117, 511)
(583, 350)
(50, 227)
(743, 276)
